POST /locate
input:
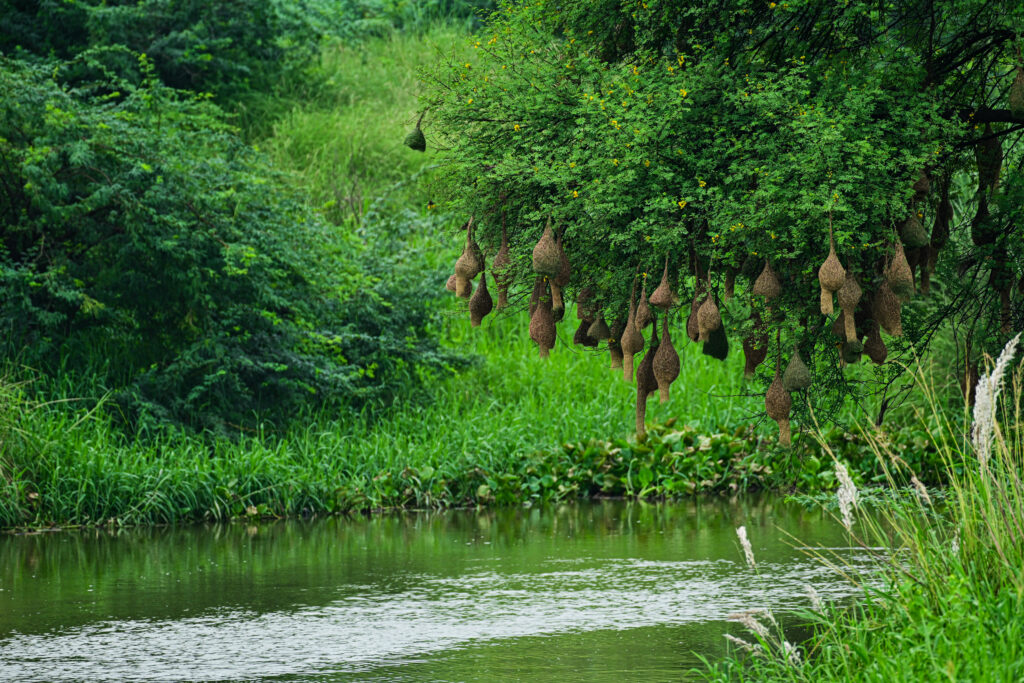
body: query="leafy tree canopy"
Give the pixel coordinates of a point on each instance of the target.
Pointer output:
(725, 136)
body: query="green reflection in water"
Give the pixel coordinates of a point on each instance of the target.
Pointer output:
(607, 591)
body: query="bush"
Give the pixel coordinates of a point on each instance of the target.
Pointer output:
(143, 239)
(225, 48)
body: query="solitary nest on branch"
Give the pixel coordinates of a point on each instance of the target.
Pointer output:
(469, 264)
(663, 297)
(874, 346)
(539, 292)
(848, 296)
(415, 139)
(709, 318)
(767, 283)
(646, 383)
(922, 186)
(1017, 94)
(666, 362)
(644, 317)
(913, 233)
(581, 338)
(557, 302)
(547, 256)
(831, 276)
(797, 376)
(480, 304)
(542, 327)
(631, 341)
(778, 403)
(899, 276)
(599, 331)
(692, 326)
(885, 309)
(717, 345)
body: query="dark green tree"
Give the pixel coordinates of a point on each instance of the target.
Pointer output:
(143, 240)
(722, 137)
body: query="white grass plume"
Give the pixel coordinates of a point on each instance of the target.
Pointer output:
(815, 597)
(748, 552)
(846, 495)
(986, 396)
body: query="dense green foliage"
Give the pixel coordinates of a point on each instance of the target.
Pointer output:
(475, 438)
(144, 240)
(724, 135)
(224, 48)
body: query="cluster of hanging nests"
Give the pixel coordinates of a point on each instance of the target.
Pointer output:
(863, 315)
(858, 325)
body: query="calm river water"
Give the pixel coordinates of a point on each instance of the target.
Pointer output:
(606, 591)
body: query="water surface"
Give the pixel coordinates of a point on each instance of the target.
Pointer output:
(606, 591)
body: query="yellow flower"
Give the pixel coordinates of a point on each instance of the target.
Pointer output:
(636, 71)
(647, 163)
(771, 5)
(682, 92)
(615, 161)
(572, 164)
(681, 203)
(470, 101)
(575, 193)
(515, 127)
(466, 65)
(701, 183)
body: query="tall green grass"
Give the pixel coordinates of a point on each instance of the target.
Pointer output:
(64, 465)
(953, 600)
(344, 138)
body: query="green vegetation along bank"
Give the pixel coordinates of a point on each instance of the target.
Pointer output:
(92, 434)
(950, 604)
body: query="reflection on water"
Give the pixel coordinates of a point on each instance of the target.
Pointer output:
(605, 591)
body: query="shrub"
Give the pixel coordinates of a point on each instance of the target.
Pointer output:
(142, 238)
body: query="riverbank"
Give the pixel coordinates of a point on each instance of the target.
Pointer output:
(477, 438)
(953, 597)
